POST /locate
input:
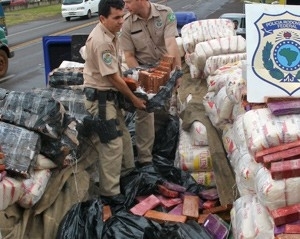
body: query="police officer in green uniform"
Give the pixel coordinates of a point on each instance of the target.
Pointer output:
(149, 32)
(103, 83)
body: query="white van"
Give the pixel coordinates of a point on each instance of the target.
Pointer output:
(79, 8)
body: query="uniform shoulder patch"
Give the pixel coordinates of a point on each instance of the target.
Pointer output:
(107, 57)
(171, 17)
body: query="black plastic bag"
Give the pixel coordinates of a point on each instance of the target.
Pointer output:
(124, 225)
(166, 139)
(83, 220)
(189, 230)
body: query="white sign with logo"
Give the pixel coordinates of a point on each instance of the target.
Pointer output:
(273, 51)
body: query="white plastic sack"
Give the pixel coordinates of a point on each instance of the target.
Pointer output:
(250, 219)
(10, 191)
(264, 130)
(34, 188)
(215, 62)
(204, 30)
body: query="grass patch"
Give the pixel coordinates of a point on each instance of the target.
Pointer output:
(30, 14)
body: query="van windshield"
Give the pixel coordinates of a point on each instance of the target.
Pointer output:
(69, 2)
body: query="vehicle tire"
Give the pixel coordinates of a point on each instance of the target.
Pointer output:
(3, 63)
(89, 14)
(68, 19)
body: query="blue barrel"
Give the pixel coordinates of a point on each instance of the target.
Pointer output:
(56, 50)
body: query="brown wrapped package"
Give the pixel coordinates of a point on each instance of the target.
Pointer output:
(151, 82)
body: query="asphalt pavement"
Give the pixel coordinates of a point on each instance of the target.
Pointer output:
(234, 6)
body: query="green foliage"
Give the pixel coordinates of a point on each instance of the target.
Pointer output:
(31, 14)
(277, 74)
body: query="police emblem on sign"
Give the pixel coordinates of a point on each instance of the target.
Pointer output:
(276, 59)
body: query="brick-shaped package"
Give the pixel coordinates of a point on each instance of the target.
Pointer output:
(216, 227)
(191, 206)
(162, 217)
(286, 214)
(287, 154)
(285, 169)
(167, 192)
(147, 204)
(259, 155)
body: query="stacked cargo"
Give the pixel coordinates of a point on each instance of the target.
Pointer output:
(152, 79)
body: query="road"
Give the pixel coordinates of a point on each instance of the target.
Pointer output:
(27, 69)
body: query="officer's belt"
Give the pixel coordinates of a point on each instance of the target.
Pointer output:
(93, 94)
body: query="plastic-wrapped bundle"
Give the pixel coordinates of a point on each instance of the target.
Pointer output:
(215, 62)
(215, 47)
(264, 130)
(66, 76)
(21, 148)
(72, 100)
(34, 188)
(34, 112)
(276, 193)
(66, 150)
(250, 219)
(10, 191)
(204, 30)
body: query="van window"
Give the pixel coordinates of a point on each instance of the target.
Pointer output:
(69, 2)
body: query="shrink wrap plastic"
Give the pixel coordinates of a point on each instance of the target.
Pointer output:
(250, 219)
(204, 30)
(211, 111)
(32, 111)
(276, 193)
(34, 188)
(216, 47)
(224, 105)
(243, 164)
(66, 76)
(21, 148)
(215, 62)
(264, 130)
(10, 191)
(71, 99)
(197, 134)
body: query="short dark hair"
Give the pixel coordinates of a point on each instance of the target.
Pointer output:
(105, 6)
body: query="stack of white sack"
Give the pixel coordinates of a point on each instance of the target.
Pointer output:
(275, 194)
(26, 192)
(205, 30)
(250, 219)
(202, 31)
(193, 154)
(242, 162)
(264, 130)
(223, 101)
(211, 55)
